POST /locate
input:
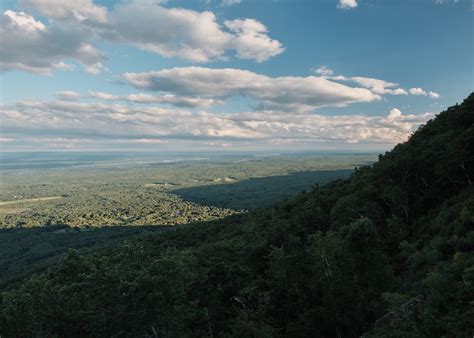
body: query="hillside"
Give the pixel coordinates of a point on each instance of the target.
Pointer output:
(385, 253)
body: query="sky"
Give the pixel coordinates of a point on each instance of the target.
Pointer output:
(228, 75)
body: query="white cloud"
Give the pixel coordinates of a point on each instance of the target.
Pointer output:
(382, 87)
(23, 22)
(394, 114)
(347, 4)
(420, 91)
(251, 41)
(30, 45)
(103, 96)
(404, 123)
(95, 68)
(440, 2)
(188, 34)
(376, 86)
(226, 3)
(417, 91)
(280, 93)
(178, 101)
(68, 95)
(65, 10)
(171, 32)
(64, 66)
(323, 71)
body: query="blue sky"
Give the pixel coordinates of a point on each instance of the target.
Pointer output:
(356, 75)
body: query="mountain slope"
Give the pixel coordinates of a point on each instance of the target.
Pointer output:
(388, 252)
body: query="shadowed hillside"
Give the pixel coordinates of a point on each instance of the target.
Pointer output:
(258, 192)
(24, 251)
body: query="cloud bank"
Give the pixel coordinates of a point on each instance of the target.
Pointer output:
(74, 27)
(112, 122)
(286, 93)
(289, 93)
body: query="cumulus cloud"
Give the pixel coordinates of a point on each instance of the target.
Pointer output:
(114, 122)
(290, 93)
(188, 34)
(417, 91)
(394, 114)
(275, 93)
(347, 4)
(30, 45)
(420, 91)
(251, 41)
(171, 32)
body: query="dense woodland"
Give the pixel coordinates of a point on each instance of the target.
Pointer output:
(385, 253)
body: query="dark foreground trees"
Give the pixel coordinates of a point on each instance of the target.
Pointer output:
(387, 253)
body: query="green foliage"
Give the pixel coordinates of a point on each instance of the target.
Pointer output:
(386, 253)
